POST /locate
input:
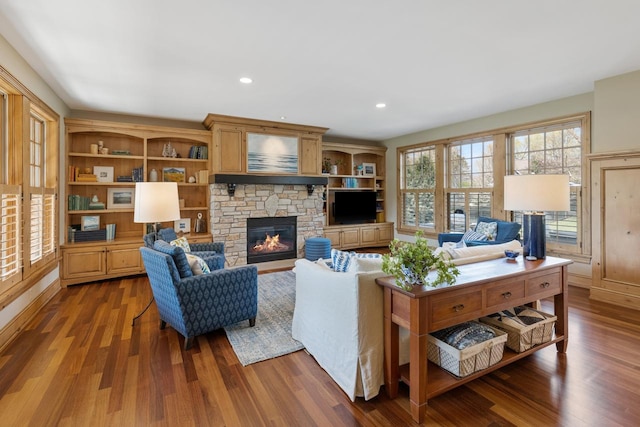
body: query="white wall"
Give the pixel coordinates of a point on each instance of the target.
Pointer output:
(18, 67)
(617, 104)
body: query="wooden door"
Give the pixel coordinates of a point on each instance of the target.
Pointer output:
(616, 230)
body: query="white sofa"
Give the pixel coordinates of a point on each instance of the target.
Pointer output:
(338, 317)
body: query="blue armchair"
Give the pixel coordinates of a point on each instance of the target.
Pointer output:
(506, 232)
(211, 252)
(194, 305)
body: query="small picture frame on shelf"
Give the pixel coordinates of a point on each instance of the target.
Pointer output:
(173, 174)
(103, 173)
(90, 222)
(120, 198)
(183, 224)
(368, 169)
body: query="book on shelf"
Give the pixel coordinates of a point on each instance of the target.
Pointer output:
(111, 231)
(86, 177)
(137, 174)
(78, 203)
(198, 152)
(203, 176)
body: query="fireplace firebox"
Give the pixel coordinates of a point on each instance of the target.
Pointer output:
(271, 239)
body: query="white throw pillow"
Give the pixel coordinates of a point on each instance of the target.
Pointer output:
(323, 263)
(197, 264)
(181, 242)
(365, 265)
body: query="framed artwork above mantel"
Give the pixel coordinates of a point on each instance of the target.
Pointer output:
(272, 153)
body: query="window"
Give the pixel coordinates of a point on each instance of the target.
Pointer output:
(446, 185)
(10, 261)
(556, 148)
(417, 187)
(469, 181)
(29, 135)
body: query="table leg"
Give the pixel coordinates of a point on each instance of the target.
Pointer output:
(561, 309)
(391, 349)
(418, 364)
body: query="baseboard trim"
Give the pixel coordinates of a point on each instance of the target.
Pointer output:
(580, 281)
(18, 323)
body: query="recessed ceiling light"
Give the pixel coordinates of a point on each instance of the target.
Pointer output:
(283, 117)
(381, 105)
(246, 80)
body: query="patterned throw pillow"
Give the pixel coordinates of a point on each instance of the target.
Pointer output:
(340, 260)
(471, 235)
(181, 242)
(197, 264)
(489, 229)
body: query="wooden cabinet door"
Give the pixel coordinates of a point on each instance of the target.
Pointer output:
(83, 262)
(124, 259)
(230, 148)
(385, 234)
(350, 238)
(310, 156)
(616, 230)
(334, 236)
(368, 236)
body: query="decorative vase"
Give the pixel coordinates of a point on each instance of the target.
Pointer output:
(334, 170)
(153, 175)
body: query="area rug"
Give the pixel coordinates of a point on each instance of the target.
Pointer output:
(271, 336)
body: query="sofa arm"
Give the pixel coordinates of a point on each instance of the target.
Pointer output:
(217, 247)
(214, 261)
(449, 237)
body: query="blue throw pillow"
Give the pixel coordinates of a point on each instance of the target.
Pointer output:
(178, 255)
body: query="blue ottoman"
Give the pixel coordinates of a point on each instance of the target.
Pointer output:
(317, 247)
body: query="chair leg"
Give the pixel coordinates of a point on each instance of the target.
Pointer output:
(163, 324)
(188, 342)
(252, 322)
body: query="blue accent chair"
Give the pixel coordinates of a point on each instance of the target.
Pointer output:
(211, 252)
(507, 231)
(194, 305)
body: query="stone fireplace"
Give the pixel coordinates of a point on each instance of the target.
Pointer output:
(230, 214)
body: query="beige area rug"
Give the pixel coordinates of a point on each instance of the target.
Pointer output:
(271, 336)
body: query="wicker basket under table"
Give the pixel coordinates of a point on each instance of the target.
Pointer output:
(462, 363)
(523, 338)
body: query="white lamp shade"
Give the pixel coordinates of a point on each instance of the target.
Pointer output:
(156, 202)
(540, 193)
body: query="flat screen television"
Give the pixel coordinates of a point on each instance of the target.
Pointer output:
(353, 207)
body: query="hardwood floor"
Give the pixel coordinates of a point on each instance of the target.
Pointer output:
(80, 363)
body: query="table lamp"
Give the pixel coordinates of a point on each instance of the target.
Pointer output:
(156, 202)
(535, 195)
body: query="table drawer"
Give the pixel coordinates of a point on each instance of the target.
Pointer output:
(544, 285)
(505, 293)
(463, 306)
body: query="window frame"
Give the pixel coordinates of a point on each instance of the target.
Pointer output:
(21, 103)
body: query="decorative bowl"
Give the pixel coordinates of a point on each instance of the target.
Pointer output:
(511, 254)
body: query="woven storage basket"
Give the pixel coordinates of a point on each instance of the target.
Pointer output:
(523, 337)
(469, 360)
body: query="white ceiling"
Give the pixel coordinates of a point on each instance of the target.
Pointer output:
(324, 63)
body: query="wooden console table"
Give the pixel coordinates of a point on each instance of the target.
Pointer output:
(480, 289)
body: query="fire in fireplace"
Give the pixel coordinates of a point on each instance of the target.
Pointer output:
(271, 239)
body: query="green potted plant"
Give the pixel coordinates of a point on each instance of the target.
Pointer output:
(330, 166)
(410, 263)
